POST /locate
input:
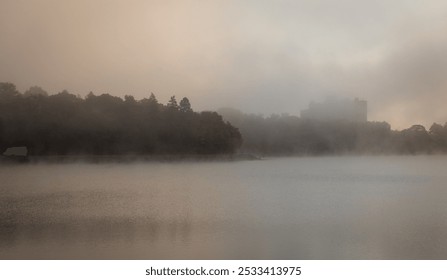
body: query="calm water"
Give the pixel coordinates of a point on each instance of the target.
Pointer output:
(286, 208)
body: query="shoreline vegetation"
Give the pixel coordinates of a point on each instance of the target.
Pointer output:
(65, 128)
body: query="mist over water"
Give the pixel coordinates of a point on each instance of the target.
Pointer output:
(390, 207)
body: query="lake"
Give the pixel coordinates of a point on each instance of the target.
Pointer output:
(372, 207)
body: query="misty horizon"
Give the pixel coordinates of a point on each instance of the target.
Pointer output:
(36, 89)
(329, 106)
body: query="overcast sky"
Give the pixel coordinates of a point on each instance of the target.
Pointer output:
(257, 56)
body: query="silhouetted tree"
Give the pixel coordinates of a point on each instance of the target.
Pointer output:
(129, 99)
(414, 140)
(8, 92)
(185, 106)
(152, 103)
(438, 134)
(35, 91)
(172, 103)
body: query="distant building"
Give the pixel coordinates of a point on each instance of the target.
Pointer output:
(337, 109)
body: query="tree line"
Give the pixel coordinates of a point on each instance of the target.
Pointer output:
(290, 135)
(66, 124)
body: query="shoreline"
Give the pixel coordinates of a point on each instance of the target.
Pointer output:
(124, 158)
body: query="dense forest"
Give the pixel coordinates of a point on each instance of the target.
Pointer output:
(290, 135)
(66, 124)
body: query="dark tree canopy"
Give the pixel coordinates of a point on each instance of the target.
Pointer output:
(66, 124)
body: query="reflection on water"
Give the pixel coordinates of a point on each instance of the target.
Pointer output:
(293, 208)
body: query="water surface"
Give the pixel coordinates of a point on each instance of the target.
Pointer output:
(280, 208)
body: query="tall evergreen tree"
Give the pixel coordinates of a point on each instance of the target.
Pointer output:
(185, 105)
(172, 104)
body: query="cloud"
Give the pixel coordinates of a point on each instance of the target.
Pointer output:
(258, 56)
